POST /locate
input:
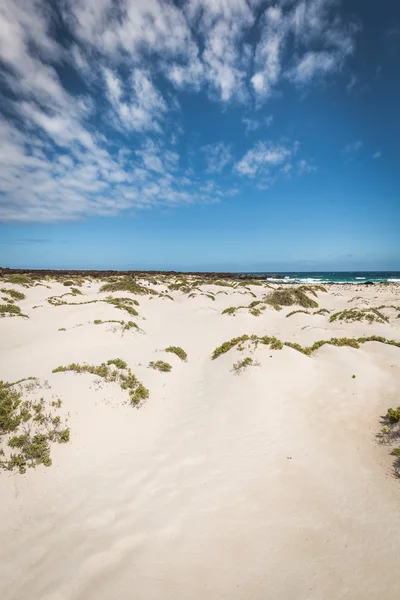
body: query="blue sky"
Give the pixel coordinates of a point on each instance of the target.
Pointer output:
(200, 134)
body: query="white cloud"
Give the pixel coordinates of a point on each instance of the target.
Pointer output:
(252, 124)
(377, 154)
(88, 182)
(217, 156)
(304, 167)
(311, 65)
(263, 157)
(73, 140)
(137, 103)
(268, 52)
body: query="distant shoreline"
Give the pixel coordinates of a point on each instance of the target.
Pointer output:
(305, 278)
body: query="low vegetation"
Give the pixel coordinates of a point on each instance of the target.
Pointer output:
(290, 296)
(126, 325)
(178, 351)
(15, 295)
(388, 306)
(278, 298)
(364, 314)
(243, 364)
(20, 279)
(390, 434)
(27, 430)
(160, 365)
(276, 344)
(127, 284)
(57, 300)
(114, 370)
(322, 311)
(295, 312)
(11, 310)
(125, 304)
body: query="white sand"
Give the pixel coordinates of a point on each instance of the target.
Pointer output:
(265, 485)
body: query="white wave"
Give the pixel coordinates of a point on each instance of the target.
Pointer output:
(282, 279)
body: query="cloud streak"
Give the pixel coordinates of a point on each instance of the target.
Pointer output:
(88, 115)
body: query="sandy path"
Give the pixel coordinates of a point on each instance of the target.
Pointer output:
(267, 484)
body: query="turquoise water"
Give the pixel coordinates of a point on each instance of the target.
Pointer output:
(335, 277)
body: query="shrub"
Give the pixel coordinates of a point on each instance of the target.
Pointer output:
(33, 426)
(295, 312)
(15, 295)
(126, 380)
(160, 365)
(12, 310)
(126, 284)
(226, 346)
(229, 311)
(243, 364)
(178, 351)
(364, 314)
(290, 296)
(276, 344)
(20, 279)
(120, 364)
(123, 304)
(393, 415)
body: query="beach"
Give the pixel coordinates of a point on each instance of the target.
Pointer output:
(224, 478)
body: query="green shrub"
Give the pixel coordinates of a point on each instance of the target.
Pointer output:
(33, 426)
(15, 295)
(393, 415)
(243, 364)
(226, 346)
(126, 380)
(64, 436)
(364, 314)
(290, 296)
(127, 284)
(123, 304)
(12, 310)
(276, 344)
(295, 312)
(160, 365)
(178, 351)
(120, 364)
(229, 311)
(20, 279)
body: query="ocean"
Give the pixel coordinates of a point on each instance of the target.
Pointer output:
(335, 277)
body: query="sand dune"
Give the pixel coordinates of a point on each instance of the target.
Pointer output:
(263, 484)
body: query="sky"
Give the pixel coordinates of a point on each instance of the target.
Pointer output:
(242, 135)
